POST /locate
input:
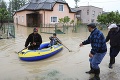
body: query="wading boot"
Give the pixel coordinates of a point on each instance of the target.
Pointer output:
(91, 71)
(110, 66)
(112, 61)
(96, 76)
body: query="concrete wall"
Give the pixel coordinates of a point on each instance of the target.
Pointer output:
(89, 13)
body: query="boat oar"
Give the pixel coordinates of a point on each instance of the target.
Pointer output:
(22, 49)
(64, 45)
(67, 48)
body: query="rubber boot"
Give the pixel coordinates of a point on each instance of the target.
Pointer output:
(96, 76)
(112, 61)
(91, 70)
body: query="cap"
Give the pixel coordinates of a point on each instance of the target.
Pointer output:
(35, 30)
(92, 25)
(112, 26)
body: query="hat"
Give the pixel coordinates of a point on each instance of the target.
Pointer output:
(112, 26)
(92, 25)
(35, 30)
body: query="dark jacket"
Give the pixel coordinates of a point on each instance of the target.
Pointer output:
(97, 41)
(114, 37)
(33, 38)
(54, 40)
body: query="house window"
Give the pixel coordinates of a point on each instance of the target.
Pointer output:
(92, 20)
(61, 6)
(53, 19)
(93, 13)
(87, 12)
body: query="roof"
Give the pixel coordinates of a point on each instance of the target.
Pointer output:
(90, 6)
(75, 9)
(42, 5)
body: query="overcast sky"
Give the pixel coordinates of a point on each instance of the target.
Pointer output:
(107, 5)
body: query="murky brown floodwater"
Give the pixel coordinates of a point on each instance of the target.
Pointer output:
(62, 66)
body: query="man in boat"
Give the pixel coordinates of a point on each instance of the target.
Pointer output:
(34, 39)
(114, 37)
(54, 40)
(98, 51)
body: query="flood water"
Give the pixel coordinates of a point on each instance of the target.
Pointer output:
(63, 66)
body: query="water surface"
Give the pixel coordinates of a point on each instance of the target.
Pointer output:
(62, 66)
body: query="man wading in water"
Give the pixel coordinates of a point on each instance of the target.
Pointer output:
(98, 51)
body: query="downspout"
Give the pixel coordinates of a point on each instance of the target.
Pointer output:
(44, 14)
(44, 17)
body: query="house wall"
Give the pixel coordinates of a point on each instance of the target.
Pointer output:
(57, 13)
(21, 16)
(93, 12)
(46, 15)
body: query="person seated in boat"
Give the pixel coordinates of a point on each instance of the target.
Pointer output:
(34, 40)
(54, 40)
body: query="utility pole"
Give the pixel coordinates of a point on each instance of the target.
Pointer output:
(88, 12)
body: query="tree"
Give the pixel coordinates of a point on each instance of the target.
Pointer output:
(72, 22)
(117, 17)
(3, 15)
(3, 4)
(64, 20)
(107, 19)
(61, 20)
(15, 5)
(102, 19)
(76, 3)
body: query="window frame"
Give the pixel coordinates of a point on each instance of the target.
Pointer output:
(51, 21)
(59, 7)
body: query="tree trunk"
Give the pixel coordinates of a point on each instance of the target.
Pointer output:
(1, 23)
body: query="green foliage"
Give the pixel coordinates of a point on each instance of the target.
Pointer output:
(15, 5)
(64, 20)
(112, 17)
(72, 21)
(3, 15)
(61, 20)
(3, 4)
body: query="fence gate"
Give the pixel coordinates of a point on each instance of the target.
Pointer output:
(7, 31)
(52, 28)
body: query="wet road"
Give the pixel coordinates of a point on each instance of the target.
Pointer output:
(62, 66)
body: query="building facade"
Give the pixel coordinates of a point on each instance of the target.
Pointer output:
(38, 12)
(88, 14)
